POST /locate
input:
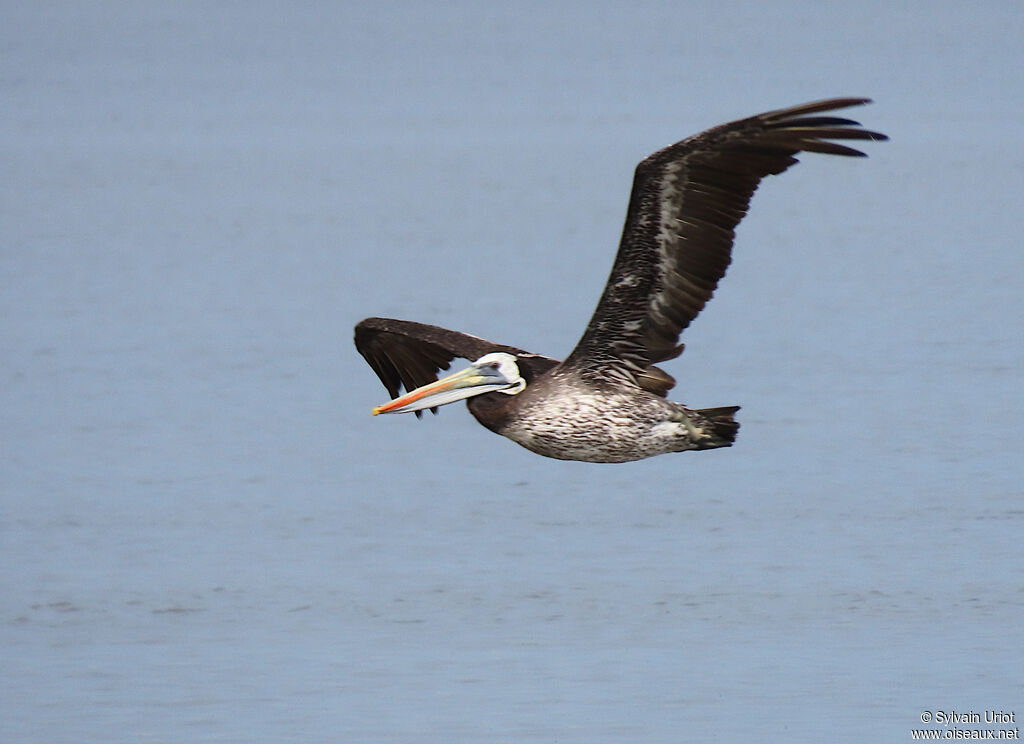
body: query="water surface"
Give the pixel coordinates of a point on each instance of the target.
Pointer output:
(206, 537)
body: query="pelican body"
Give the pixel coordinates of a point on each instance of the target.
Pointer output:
(606, 402)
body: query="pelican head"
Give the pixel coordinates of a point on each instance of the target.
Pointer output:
(491, 373)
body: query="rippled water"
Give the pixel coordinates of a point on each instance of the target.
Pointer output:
(205, 536)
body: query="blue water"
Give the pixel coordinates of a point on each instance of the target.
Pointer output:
(205, 537)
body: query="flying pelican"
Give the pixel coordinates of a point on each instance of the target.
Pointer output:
(606, 402)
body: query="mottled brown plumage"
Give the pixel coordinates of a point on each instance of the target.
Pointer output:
(606, 401)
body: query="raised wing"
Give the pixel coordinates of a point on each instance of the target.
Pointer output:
(408, 354)
(686, 202)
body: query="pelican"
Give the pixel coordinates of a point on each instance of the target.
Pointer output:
(607, 401)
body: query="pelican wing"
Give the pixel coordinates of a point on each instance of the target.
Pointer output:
(686, 202)
(408, 354)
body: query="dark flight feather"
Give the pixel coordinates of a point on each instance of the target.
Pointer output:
(407, 354)
(677, 241)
